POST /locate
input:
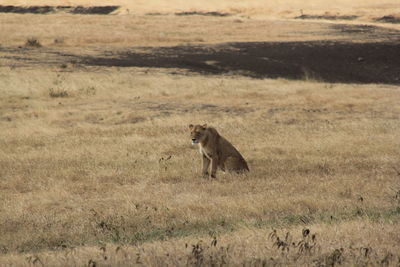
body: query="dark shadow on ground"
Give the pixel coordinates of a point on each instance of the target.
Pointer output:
(29, 9)
(343, 62)
(99, 10)
(327, 17)
(389, 19)
(212, 13)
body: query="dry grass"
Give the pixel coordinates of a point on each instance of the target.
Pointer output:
(142, 30)
(344, 243)
(87, 169)
(255, 21)
(254, 7)
(97, 169)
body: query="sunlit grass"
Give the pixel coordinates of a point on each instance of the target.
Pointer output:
(85, 169)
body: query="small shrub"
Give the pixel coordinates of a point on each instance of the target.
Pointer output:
(59, 40)
(33, 42)
(58, 92)
(91, 90)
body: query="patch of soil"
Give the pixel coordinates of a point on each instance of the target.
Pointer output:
(170, 108)
(64, 7)
(388, 19)
(351, 29)
(213, 13)
(329, 61)
(155, 14)
(101, 10)
(327, 17)
(29, 9)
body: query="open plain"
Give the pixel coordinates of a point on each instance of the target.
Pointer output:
(96, 162)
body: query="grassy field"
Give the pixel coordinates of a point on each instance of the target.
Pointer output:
(97, 166)
(260, 8)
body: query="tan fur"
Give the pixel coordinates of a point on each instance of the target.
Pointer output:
(216, 150)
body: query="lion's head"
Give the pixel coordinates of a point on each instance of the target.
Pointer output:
(197, 133)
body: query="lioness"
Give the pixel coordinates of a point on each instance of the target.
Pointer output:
(217, 150)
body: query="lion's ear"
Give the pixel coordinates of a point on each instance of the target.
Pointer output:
(204, 126)
(191, 126)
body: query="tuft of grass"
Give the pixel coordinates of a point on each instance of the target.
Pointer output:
(33, 42)
(58, 92)
(89, 91)
(59, 40)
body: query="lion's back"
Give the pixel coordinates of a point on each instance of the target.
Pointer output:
(231, 158)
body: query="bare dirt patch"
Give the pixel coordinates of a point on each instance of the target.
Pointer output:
(356, 54)
(102, 10)
(328, 17)
(24, 10)
(389, 19)
(99, 10)
(325, 61)
(200, 13)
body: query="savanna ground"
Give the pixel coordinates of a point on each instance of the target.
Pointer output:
(96, 165)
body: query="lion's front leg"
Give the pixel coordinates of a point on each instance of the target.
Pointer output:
(206, 164)
(214, 166)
